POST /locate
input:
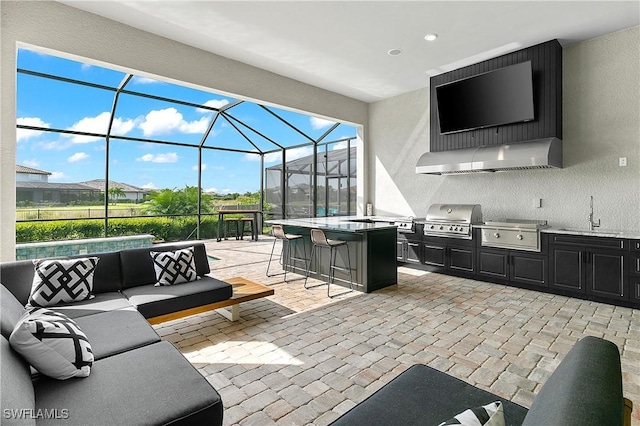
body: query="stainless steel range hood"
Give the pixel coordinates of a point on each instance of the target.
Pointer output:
(535, 154)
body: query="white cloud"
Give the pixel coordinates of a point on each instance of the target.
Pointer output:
(339, 145)
(31, 163)
(22, 134)
(143, 80)
(78, 156)
(213, 103)
(149, 185)
(57, 176)
(204, 167)
(276, 157)
(168, 157)
(320, 123)
(164, 121)
(100, 124)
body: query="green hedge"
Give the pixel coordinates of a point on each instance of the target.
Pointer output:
(162, 228)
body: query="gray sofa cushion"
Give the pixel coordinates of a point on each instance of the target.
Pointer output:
(137, 265)
(153, 385)
(16, 390)
(10, 311)
(107, 276)
(155, 301)
(422, 395)
(584, 390)
(102, 302)
(117, 331)
(17, 278)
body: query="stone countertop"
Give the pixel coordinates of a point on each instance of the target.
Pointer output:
(339, 223)
(611, 233)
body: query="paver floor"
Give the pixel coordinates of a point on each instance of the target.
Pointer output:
(299, 358)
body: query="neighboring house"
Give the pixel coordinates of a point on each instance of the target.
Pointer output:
(33, 186)
(134, 193)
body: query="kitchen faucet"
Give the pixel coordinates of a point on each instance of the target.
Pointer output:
(592, 224)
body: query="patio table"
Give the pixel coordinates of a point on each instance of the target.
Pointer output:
(253, 212)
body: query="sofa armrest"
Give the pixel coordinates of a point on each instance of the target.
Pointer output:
(585, 389)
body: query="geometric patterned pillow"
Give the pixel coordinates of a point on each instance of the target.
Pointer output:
(487, 415)
(52, 343)
(174, 267)
(61, 281)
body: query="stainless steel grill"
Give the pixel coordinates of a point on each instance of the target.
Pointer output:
(452, 220)
(515, 234)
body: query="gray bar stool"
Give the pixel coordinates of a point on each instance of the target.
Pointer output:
(319, 240)
(288, 243)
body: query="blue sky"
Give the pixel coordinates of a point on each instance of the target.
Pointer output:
(73, 158)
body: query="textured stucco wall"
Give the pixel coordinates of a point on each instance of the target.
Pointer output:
(601, 122)
(60, 28)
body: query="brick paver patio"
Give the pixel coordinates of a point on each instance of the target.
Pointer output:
(299, 358)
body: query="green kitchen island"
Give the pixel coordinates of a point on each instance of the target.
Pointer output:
(372, 249)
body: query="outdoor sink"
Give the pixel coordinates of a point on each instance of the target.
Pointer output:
(588, 232)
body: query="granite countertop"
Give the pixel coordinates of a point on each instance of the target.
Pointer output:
(339, 223)
(634, 235)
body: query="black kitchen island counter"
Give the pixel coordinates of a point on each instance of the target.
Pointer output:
(372, 247)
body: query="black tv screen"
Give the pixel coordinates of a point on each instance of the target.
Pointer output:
(494, 98)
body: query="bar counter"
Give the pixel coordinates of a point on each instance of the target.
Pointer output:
(372, 247)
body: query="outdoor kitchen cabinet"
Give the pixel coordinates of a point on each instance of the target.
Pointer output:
(592, 266)
(634, 272)
(408, 249)
(449, 254)
(514, 267)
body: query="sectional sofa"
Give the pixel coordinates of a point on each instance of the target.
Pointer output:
(584, 390)
(135, 378)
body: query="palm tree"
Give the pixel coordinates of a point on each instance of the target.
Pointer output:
(115, 193)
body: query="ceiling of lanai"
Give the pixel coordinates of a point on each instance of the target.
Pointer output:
(342, 45)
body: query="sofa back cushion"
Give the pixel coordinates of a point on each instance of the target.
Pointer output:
(10, 311)
(17, 395)
(585, 389)
(18, 276)
(137, 264)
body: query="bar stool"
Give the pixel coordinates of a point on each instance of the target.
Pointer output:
(286, 258)
(319, 240)
(242, 222)
(231, 221)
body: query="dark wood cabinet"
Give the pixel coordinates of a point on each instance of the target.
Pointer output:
(449, 254)
(634, 272)
(408, 251)
(514, 267)
(593, 266)
(409, 246)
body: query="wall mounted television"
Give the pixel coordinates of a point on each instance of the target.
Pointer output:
(490, 99)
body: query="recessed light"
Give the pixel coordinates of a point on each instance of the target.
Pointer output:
(394, 52)
(431, 37)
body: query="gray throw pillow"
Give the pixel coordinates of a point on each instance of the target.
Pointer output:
(53, 344)
(62, 281)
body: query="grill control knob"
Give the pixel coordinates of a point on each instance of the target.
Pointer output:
(431, 227)
(519, 236)
(495, 234)
(451, 228)
(441, 227)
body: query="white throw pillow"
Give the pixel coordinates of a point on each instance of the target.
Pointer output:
(62, 281)
(487, 415)
(174, 267)
(52, 343)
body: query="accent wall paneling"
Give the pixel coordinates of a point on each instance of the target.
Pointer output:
(546, 63)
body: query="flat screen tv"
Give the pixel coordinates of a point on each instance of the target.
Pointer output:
(491, 99)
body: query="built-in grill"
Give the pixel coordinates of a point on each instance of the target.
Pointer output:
(406, 225)
(515, 234)
(452, 220)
